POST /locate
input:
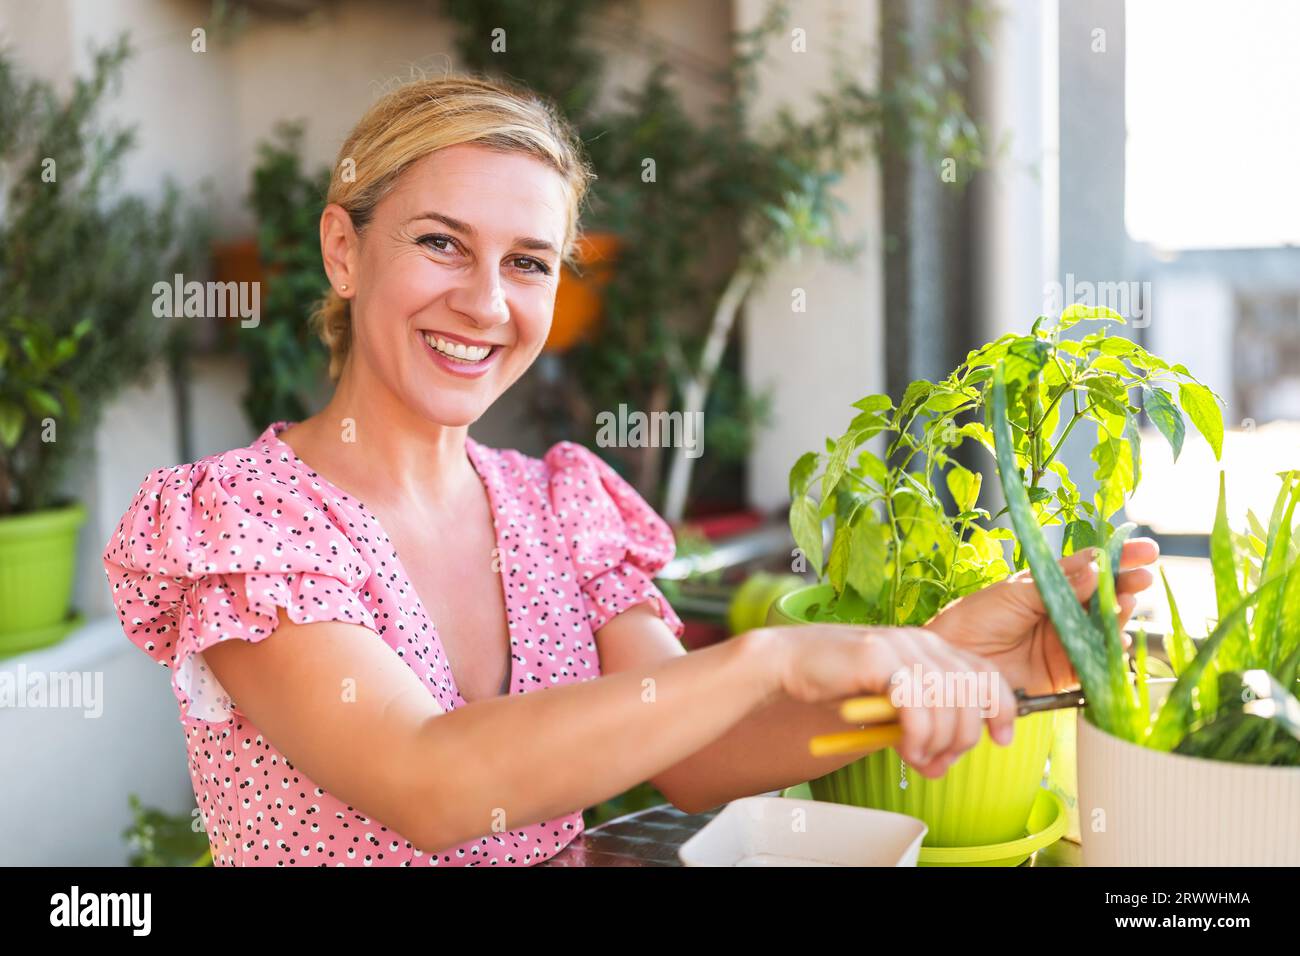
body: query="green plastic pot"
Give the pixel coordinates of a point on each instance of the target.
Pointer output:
(38, 556)
(1062, 769)
(753, 600)
(986, 796)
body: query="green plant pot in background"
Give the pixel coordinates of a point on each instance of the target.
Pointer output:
(38, 554)
(753, 600)
(985, 797)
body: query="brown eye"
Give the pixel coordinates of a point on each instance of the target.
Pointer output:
(431, 242)
(529, 264)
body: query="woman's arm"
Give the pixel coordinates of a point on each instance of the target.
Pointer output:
(348, 712)
(768, 750)
(356, 720)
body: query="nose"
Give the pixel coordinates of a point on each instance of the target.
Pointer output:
(481, 298)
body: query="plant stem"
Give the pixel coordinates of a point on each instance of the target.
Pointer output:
(1066, 434)
(696, 392)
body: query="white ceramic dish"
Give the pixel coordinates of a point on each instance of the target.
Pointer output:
(776, 831)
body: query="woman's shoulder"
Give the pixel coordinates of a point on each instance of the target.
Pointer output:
(598, 509)
(180, 510)
(258, 461)
(564, 465)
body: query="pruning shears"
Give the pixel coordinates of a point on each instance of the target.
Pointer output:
(877, 720)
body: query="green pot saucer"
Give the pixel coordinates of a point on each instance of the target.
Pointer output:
(20, 642)
(1047, 823)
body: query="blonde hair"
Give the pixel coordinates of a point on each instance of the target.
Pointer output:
(421, 117)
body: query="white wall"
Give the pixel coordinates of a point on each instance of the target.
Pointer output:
(67, 776)
(816, 363)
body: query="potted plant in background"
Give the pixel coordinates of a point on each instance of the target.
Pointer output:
(909, 537)
(287, 363)
(580, 293)
(77, 267)
(158, 838)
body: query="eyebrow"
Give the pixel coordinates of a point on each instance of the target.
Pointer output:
(524, 242)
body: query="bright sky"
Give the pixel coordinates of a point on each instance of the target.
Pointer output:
(1213, 116)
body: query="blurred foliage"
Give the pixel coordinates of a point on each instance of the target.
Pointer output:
(544, 45)
(287, 362)
(78, 263)
(156, 838)
(729, 196)
(640, 797)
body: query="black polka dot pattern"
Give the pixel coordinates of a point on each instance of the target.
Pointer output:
(209, 551)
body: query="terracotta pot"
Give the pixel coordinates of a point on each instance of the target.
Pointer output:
(578, 300)
(237, 261)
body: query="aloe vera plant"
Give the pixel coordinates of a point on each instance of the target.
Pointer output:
(1116, 702)
(1268, 642)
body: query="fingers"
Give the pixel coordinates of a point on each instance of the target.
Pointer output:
(1138, 552)
(1134, 582)
(1082, 576)
(885, 653)
(945, 717)
(1127, 605)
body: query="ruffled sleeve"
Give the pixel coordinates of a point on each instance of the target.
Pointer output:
(207, 554)
(617, 541)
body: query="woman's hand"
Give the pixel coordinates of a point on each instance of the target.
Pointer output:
(1007, 623)
(943, 693)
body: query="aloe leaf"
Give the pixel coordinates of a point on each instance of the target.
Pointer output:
(1176, 715)
(1142, 717)
(1082, 643)
(1267, 637)
(1288, 631)
(1227, 590)
(1182, 651)
(1106, 620)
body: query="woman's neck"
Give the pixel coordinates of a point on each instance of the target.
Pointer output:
(369, 442)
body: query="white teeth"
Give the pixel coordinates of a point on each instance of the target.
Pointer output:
(457, 350)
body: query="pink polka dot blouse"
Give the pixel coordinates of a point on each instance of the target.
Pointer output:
(208, 551)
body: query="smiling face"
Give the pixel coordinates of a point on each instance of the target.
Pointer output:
(453, 280)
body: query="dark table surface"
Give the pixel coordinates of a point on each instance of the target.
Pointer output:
(652, 837)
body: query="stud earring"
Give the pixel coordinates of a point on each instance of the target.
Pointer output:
(343, 287)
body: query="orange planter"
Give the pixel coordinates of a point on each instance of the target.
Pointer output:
(237, 261)
(578, 298)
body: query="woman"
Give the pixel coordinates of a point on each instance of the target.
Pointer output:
(392, 717)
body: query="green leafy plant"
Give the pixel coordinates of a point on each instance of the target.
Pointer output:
(78, 262)
(909, 536)
(157, 838)
(286, 361)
